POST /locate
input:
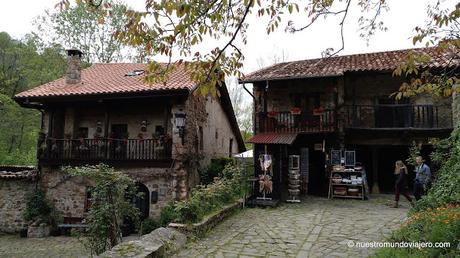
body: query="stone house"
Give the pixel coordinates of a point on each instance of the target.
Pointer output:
(15, 183)
(160, 134)
(311, 107)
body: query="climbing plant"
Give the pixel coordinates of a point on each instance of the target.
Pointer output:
(110, 197)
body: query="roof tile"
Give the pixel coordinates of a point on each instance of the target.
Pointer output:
(338, 65)
(110, 79)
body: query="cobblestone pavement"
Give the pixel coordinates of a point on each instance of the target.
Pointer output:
(14, 246)
(317, 227)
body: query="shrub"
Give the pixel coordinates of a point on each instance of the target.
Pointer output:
(213, 170)
(203, 200)
(111, 193)
(432, 225)
(168, 214)
(40, 208)
(436, 217)
(149, 225)
(446, 187)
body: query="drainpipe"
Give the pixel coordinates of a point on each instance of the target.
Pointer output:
(253, 108)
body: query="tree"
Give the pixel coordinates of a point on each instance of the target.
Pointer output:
(441, 30)
(23, 66)
(87, 29)
(241, 107)
(176, 28)
(110, 205)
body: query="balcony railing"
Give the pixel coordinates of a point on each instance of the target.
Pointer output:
(102, 150)
(398, 116)
(323, 121)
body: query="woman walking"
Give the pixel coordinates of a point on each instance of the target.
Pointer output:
(401, 183)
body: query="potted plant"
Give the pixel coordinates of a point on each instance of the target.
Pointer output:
(296, 111)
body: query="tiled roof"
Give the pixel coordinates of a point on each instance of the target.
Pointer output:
(110, 79)
(18, 172)
(273, 138)
(338, 65)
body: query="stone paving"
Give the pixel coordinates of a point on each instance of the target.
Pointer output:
(317, 227)
(13, 246)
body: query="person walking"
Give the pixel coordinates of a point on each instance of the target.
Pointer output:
(401, 183)
(422, 178)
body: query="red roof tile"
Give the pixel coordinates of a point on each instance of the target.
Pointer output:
(338, 65)
(273, 138)
(110, 79)
(18, 172)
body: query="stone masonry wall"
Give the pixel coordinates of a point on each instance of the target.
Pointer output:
(12, 205)
(69, 193)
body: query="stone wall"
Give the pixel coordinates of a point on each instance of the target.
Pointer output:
(69, 193)
(455, 109)
(12, 205)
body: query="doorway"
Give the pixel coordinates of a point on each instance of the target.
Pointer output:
(142, 200)
(119, 133)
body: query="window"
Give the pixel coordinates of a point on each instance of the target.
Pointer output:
(83, 132)
(230, 147)
(200, 135)
(88, 200)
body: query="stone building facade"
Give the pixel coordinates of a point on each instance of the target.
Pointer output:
(158, 134)
(311, 107)
(15, 183)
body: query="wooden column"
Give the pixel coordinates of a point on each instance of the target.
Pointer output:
(375, 165)
(106, 121)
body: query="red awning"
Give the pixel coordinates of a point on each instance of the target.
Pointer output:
(273, 138)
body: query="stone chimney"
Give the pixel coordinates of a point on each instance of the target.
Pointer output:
(73, 75)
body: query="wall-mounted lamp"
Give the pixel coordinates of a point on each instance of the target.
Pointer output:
(179, 121)
(144, 125)
(99, 127)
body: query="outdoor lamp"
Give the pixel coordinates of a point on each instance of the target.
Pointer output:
(179, 120)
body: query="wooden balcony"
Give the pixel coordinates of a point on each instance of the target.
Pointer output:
(398, 116)
(286, 122)
(104, 150)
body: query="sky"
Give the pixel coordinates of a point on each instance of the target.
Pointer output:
(16, 18)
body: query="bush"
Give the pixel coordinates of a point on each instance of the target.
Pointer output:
(38, 207)
(213, 170)
(111, 195)
(432, 225)
(203, 200)
(167, 215)
(446, 187)
(436, 217)
(149, 225)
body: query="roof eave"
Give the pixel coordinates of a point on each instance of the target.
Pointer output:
(288, 78)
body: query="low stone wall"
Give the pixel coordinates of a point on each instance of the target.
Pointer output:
(159, 243)
(12, 204)
(200, 228)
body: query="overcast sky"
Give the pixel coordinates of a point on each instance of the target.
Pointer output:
(16, 17)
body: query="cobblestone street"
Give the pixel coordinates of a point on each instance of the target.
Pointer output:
(12, 246)
(317, 227)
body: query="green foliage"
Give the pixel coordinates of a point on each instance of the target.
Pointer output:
(39, 208)
(213, 170)
(87, 29)
(431, 225)
(110, 194)
(446, 187)
(436, 217)
(168, 214)
(148, 225)
(414, 152)
(203, 200)
(22, 67)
